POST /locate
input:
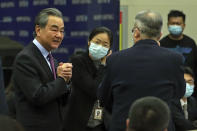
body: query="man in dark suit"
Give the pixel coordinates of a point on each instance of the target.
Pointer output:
(146, 69)
(40, 92)
(184, 111)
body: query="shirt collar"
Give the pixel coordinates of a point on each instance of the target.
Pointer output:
(182, 102)
(41, 48)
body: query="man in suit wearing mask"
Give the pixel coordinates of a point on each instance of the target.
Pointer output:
(184, 111)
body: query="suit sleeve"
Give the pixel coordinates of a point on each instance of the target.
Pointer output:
(30, 80)
(104, 91)
(179, 89)
(3, 104)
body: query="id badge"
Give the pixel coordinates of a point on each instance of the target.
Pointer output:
(98, 114)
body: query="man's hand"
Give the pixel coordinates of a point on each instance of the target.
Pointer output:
(64, 70)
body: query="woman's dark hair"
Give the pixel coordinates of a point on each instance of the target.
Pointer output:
(99, 30)
(188, 70)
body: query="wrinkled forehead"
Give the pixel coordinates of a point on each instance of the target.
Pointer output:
(55, 22)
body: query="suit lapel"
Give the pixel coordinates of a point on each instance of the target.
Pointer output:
(42, 61)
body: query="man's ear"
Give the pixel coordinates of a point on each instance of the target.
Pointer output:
(136, 36)
(37, 30)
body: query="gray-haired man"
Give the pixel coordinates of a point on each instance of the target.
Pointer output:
(146, 69)
(40, 91)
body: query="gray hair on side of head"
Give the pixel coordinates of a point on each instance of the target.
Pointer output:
(42, 17)
(149, 23)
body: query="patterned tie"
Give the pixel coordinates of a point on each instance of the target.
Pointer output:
(185, 111)
(51, 60)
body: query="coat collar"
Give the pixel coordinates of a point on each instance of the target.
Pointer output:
(146, 42)
(42, 60)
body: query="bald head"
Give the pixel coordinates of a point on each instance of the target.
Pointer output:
(149, 23)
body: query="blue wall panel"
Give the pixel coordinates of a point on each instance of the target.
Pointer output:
(80, 17)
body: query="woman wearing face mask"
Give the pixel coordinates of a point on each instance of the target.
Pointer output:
(184, 111)
(83, 112)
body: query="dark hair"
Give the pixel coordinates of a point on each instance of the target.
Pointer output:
(188, 70)
(9, 124)
(149, 114)
(176, 13)
(99, 30)
(42, 17)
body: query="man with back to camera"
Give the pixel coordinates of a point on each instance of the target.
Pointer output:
(179, 42)
(40, 92)
(146, 69)
(148, 114)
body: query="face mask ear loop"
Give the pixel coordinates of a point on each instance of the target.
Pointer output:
(108, 51)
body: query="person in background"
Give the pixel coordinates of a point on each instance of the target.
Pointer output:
(84, 112)
(146, 69)
(184, 111)
(148, 114)
(40, 92)
(179, 42)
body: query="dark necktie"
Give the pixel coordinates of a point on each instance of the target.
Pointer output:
(51, 60)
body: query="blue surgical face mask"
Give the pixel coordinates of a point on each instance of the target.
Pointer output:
(175, 29)
(189, 90)
(97, 51)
